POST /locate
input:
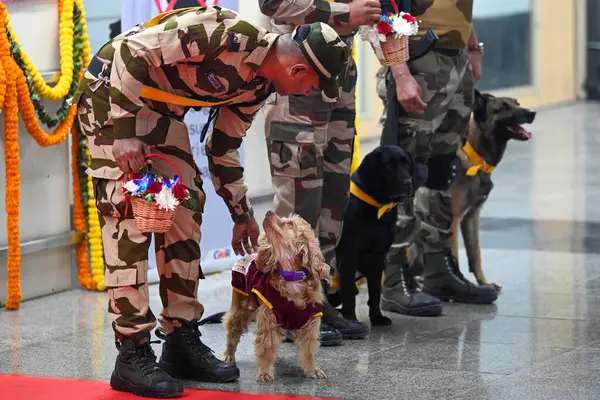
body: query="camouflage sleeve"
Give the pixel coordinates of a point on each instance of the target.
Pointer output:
(131, 61)
(307, 11)
(222, 150)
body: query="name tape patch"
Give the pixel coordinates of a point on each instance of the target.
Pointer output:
(215, 82)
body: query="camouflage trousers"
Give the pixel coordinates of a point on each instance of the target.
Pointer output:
(126, 257)
(310, 144)
(447, 86)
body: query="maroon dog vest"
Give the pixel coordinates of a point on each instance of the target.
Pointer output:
(246, 279)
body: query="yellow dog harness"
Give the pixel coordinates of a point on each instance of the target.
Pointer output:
(475, 158)
(361, 195)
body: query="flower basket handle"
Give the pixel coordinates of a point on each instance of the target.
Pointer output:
(396, 10)
(153, 155)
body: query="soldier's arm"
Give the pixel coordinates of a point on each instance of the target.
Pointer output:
(132, 59)
(301, 12)
(222, 150)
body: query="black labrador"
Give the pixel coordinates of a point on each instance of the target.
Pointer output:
(386, 177)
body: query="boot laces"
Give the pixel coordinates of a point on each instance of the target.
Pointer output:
(145, 359)
(452, 265)
(409, 282)
(192, 337)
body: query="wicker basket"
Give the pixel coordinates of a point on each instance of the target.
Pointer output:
(395, 51)
(148, 216)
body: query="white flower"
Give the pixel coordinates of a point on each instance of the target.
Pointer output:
(131, 187)
(403, 27)
(166, 200)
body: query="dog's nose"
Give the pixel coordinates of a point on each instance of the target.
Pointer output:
(530, 115)
(269, 213)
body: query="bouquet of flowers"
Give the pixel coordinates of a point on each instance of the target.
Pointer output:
(389, 37)
(166, 193)
(155, 199)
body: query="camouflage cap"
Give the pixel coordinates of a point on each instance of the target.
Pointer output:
(326, 52)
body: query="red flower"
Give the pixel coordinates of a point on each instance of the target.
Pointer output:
(409, 18)
(384, 28)
(180, 192)
(154, 188)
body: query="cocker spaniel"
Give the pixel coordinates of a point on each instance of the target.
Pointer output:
(281, 283)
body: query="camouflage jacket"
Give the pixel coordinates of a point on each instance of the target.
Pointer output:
(208, 54)
(286, 14)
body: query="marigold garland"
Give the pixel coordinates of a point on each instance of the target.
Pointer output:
(13, 178)
(20, 88)
(82, 256)
(66, 56)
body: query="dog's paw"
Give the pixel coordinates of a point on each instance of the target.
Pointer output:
(228, 358)
(380, 320)
(316, 373)
(265, 377)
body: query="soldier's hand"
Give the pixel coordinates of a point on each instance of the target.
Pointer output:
(129, 154)
(364, 12)
(409, 94)
(245, 237)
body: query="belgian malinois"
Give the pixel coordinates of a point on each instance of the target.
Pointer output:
(494, 121)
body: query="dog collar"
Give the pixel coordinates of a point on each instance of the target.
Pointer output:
(475, 158)
(292, 276)
(361, 195)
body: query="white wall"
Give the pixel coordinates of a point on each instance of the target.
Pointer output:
(45, 172)
(497, 8)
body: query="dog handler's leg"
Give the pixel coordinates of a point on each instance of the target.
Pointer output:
(126, 258)
(178, 259)
(442, 277)
(269, 336)
(399, 292)
(307, 341)
(296, 134)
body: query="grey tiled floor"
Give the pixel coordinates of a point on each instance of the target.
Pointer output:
(541, 340)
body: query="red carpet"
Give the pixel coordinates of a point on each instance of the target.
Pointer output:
(18, 387)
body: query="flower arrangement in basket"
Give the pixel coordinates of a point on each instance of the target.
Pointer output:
(389, 37)
(155, 199)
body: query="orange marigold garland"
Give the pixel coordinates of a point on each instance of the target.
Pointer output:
(16, 95)
(82, 251)
(13, 178)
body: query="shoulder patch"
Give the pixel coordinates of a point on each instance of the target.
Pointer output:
(215, 82)
(243, 264)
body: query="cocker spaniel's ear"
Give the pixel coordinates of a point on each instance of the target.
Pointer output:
(265, 260)
(313, 258)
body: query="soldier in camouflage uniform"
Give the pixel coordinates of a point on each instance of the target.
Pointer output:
(310, 140)
(436, 93)
(205, 56)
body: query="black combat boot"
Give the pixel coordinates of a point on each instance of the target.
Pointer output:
(443, 279)
(185, 356)
(329, 336)
(332, 318)
(400, 292)
(137, 372)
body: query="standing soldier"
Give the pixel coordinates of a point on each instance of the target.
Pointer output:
(434, 96)
(132, 101)
(310, 140)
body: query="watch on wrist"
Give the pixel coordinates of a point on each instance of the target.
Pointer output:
(476, 47)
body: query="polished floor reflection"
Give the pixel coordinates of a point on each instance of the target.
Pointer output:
(541, 340)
